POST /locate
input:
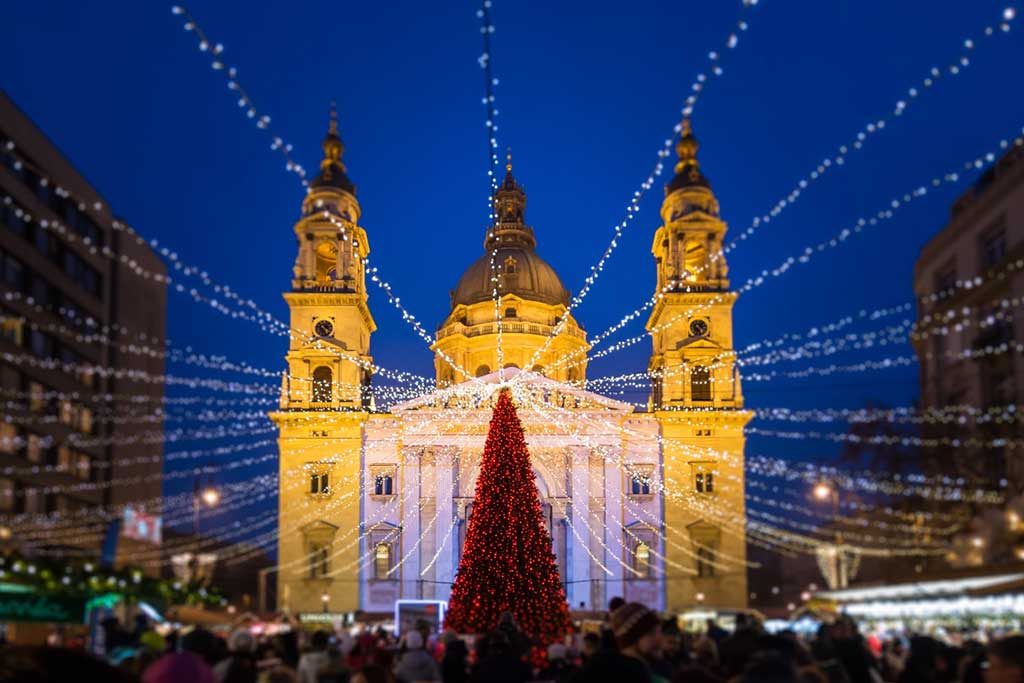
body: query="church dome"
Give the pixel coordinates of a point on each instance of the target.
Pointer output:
(520, 272)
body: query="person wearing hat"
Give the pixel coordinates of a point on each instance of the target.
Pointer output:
(416, 663)
(636, 634)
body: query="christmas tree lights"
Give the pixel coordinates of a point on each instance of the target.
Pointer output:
(507, 563)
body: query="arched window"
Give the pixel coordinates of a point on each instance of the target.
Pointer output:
(642, 560)
(539, 369)
(511, 365)
(323, 384)
(700, 383)
(381, 561)
(483, 370)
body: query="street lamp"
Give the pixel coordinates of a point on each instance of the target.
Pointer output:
(823, 491)
(325, 598)
(210, 496)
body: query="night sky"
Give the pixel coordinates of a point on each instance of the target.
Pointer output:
(587, 94)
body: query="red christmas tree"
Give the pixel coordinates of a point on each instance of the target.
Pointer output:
(507, 563)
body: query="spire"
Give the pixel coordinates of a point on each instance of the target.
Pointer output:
(687, 169)
(332, 170)
(509, 213)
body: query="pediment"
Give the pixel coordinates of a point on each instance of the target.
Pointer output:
(482, 393)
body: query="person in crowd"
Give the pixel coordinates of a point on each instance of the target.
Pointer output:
(636, 633)
(314, 662)
(240, 664)
(770, 667)
(498, 662)
(715, 632)
(416, 664)
(852, 651)
(590, 645)
(204, 644)
(672, 648)
(559, 669)
(517, 640)
(1006, 661)
(336, 670)
(174, 668)
(923, 661)
(705, 654)
(57, 665)
(454, 662)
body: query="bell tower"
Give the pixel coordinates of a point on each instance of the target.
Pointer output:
(695, 392)
(328, 358)
(325, 399)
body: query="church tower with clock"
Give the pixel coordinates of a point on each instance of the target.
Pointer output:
(696, 393)
(325, 398)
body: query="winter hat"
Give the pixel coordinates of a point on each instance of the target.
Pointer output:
(631, 622)
(413, 640)
(176, 667)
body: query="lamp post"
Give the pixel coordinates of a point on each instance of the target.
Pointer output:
(823, 491)
(325, 598)
(210, 497)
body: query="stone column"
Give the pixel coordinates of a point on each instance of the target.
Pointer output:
(410, 476)
(578, 559)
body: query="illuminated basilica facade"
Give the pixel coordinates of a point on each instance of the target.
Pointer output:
(374, 506)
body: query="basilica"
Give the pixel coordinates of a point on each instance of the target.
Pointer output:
(644, 504)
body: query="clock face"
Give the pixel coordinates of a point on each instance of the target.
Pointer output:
(698, 328)
(324, 328)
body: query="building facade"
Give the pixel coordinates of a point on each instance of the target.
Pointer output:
(969, 280)
(374, 506)
(75, 319)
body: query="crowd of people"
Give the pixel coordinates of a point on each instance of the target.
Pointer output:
(632, 645)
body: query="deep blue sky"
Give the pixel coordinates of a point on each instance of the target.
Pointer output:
(588, 91)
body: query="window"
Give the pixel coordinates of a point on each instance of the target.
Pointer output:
(14, 273)
(642, 560)
(11, 329)
(318, 483)
(83, 467)
(511, 266)
(993, 247)
(705, 561)
(41, 345)
(64, 459)
(33, 501)
(8, 437)
(6, 495)
(323, 382)
(700, 383)
(483, 370)
(510, 312)
(381, 561)
(640, 484)
(383, 485)
(319, 557)
(36, 396)
(34, 449)
(85, 420)
(704, 482)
